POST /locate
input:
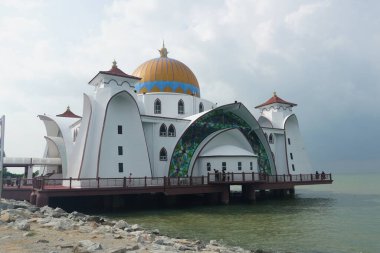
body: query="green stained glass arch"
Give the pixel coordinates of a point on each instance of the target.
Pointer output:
(204, 126)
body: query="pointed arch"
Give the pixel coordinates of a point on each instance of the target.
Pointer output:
(163, 154)
(157, 106)
(171, 131)
(181, 107)
(201, 107)
(163, 130)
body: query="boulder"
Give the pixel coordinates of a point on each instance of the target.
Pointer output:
(136, 227)
(22, 225)
(86, 246)
(119, 250)
(121, 224)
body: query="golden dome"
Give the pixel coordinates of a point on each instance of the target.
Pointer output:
(166, 75)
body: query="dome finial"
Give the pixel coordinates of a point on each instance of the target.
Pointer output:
(114, 64)
(274, 94)
(163, 51)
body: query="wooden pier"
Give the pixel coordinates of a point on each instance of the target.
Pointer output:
(43, 189)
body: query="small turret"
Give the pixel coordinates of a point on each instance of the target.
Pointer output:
(276, 110)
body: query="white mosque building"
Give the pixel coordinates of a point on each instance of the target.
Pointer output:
(154, 123)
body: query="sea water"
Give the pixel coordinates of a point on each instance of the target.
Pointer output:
(342, 217)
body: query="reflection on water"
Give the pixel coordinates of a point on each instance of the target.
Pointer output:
(313, 221)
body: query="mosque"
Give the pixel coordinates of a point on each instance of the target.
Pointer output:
(154, 123)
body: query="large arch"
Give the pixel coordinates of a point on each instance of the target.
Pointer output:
(122, 110)
(228, 116)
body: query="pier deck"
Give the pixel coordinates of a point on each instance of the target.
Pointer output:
(44, 188)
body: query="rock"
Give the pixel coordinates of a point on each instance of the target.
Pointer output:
(136, 227)
(58, 213)
(121, 224)
(85, 229)
(166, 242)
(155, 231)
(132, 247)
(33, 209)
(94, 218)
(65, 246)
(119, 250)
(5, 237)
(28, 234)
(22, 225)
(63, 224)
(5, 217)
(117, 236)
(42, 241)
(87, 246)
(77, 216)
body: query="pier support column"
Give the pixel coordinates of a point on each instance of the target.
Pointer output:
(225, 195)
(248, 192)
(33, 198)
(42, 199)
(292, 191)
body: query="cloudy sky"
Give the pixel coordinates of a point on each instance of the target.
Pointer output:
(323, 55)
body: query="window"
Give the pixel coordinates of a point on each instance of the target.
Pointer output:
(157, 106)
(181, 107)
(208, 165)
(251, 165)
(289, 141)
(120, 129)
(224, 165)
(239, 165)
(121, 169)
(291, 156)
(163, 154)
(163, 130)
(171, 131)
(201, 108)
(293, 168)
(271, 139)
(120, 150)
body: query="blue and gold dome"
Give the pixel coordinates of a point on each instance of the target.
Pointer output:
(166, 75)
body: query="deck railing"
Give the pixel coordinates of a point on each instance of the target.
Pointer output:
(211, 178)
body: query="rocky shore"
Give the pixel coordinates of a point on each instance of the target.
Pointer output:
(27, 228)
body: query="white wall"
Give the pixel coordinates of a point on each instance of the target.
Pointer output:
(169, 104)
(300, 157)
(123, 111)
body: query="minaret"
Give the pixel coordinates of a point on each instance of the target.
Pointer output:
(276, 110)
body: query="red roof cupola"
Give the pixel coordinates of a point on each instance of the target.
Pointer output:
(276, 100)
(115, 71)
(68, 114)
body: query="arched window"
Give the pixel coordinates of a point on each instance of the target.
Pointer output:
(163, 155)
(157, 106)
(201, 108)
(163, 130)
(271, 140)
(171, 131)
(181, 107)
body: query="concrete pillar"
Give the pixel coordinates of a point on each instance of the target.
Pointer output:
(42, 199)
(225, 195)
(292, 191)
(30, 172)
(33, 198)
(248, 192)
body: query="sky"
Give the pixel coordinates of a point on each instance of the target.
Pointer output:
(323, 55)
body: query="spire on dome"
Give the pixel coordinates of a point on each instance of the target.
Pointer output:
(68, 114)
(163, 51)
(114, 64)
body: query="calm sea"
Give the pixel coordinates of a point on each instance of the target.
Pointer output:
(343, 217)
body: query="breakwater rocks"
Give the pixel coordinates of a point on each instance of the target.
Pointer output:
(27, 228)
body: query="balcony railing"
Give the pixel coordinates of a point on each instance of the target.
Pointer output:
(167, 182)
